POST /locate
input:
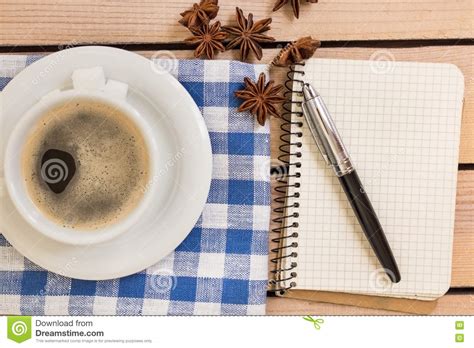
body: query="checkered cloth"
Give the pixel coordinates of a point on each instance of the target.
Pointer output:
(221, 267)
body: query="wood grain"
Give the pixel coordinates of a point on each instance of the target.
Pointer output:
(463, 251)
(459, 304)
(52, 22)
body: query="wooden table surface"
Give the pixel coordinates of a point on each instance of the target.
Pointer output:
(419, 30)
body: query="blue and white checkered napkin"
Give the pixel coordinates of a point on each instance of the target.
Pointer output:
(221, 267)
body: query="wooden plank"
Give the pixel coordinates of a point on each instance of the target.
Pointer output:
(459, 304)
(52, 22)
(463, 250)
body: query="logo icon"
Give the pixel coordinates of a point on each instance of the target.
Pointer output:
(459, 338)
(19, 328)
(316, 322)
(459, 325)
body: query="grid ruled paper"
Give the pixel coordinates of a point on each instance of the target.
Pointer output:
(401, 125)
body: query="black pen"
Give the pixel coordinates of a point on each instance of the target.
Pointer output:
(334, 152)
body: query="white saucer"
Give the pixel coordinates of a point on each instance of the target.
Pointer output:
(185, 166)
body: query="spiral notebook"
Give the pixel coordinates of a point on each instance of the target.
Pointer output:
(401, 124)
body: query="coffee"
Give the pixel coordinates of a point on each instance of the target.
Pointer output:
(85, 164)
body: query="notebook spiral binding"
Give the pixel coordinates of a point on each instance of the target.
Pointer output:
(284, 275)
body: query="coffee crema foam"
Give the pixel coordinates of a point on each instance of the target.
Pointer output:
(111, 164)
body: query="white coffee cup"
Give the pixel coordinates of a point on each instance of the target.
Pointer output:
(17, 189)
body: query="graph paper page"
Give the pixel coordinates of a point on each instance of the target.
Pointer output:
(401, 125)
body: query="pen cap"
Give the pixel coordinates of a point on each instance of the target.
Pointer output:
(318, 138)
(324, 132)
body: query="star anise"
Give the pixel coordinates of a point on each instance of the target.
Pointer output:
(260, 98)
(248, 34)
(199, 14)
(294, 3)
(208, 38)
(296, 51)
